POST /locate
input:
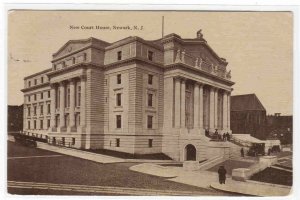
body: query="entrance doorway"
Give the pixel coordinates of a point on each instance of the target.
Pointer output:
(190, 152)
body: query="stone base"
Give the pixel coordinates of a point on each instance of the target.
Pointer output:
(268, 160)
(191, 165)
(240, 174)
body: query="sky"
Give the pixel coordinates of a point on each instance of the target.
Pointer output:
(257, 45)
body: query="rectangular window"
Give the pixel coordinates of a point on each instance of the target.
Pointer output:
(48, 108)
(150, 122)
(34, 124)
(48, 94)
(68, 98)
(42, 79)
(35, 81)
(42, 95)
(150, 55)
(119, 121)
(29, 83)
(28, 124)
(79, 96)
(48, 123)
(34, 97)
(77, 121)
(63, 140)
(150, 100)
(150, 79)
(119, 101)
(28, 111)
(41, 109)
(29, 98)
(41, 124)
(73, 60)
(150, 143)
(119, 55)
(73, 141)
(119, 80)
(34, 110)
(117, 142)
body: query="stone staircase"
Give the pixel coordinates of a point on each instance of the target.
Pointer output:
(211, 162)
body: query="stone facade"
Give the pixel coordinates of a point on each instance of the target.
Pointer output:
(133, 95)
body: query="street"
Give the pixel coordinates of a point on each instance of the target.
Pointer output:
(27, 164)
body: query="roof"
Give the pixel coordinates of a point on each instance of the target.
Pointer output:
(246, 102)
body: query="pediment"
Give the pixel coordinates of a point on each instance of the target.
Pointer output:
(70, 47)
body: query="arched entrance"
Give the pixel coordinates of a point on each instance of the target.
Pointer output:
(190, 152)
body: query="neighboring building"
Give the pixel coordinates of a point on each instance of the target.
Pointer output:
(280, 127)
(133, 95)
(248, 116)
(14, 118)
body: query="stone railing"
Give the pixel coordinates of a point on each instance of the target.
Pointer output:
(182, 57)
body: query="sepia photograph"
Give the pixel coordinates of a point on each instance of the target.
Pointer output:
(149, 103)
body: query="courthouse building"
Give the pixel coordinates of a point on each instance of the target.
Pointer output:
(132, 95)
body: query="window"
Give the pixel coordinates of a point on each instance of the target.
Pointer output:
(41, 124)
(150, 99)
(41, 109)
(79, 96)
(150, 122)
(67, 120)
(150, 141)
(119, 121)
(48, 123)
(42, 79)
(29, 98)
(57, 121)
(150, 55)
(42, 95)
(150, 79)
(117, 142)
(48, 108)
(28, 124)
(63, 140)
(119, 101)
(119, 79)
(35, 81)
(29, 83)
(73, 141)
(68, 98)
(73, 60)
(77, 121)
(34, 110)
(34, 124)
(28, 111)
(34, 96)
(48, 94)
(119, 55)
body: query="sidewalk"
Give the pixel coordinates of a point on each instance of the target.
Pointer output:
(207, 179)
(252, 188)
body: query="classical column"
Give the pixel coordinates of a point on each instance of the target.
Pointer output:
(62, 105)
(196, 105)
(216, 108)
(212, 109)
(52, 105)
(201, 106)
(182, 104)
(72, 103)
(228, 113)
(177, 102)
(225, 111)
(82, 102)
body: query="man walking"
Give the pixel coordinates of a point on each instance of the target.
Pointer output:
(242, 152)
(222, 174)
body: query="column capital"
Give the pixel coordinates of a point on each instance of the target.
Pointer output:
(82, 77)
(71, 80)
(62, 83)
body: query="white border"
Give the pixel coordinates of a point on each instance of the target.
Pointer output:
(221, 5)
